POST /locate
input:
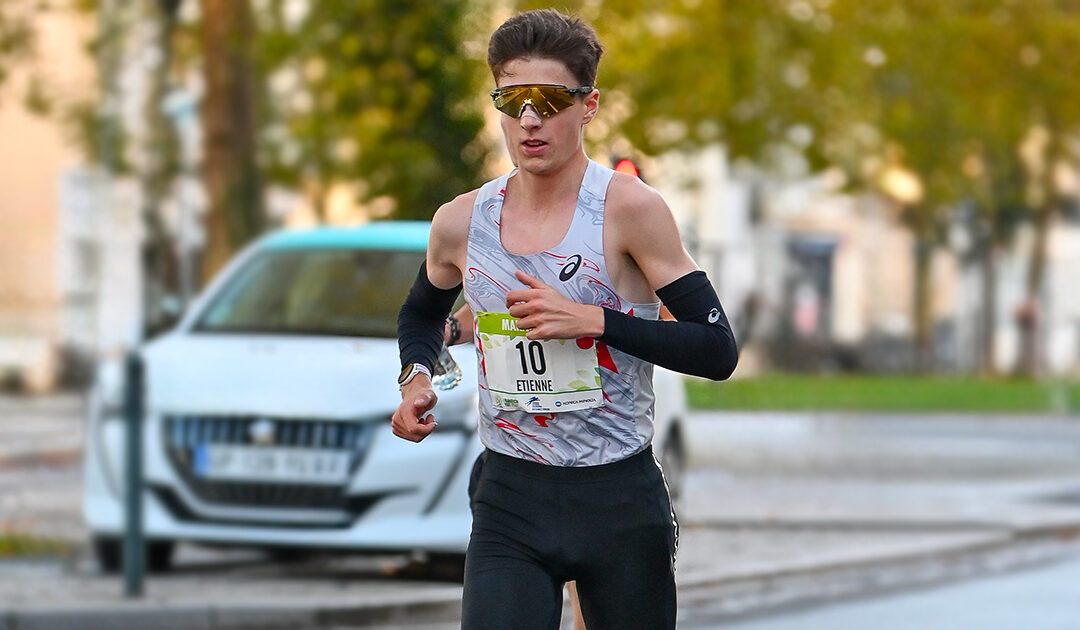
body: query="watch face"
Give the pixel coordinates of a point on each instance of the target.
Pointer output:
(405, 372)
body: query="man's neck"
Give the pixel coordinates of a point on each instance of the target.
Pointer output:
(543, 190)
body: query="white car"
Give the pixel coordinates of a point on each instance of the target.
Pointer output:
(268, 411)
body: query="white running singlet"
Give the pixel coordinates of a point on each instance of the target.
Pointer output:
(559, 402)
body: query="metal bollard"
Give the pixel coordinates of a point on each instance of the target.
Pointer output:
(134, 543)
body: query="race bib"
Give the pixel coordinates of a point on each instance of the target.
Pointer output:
(549, 375)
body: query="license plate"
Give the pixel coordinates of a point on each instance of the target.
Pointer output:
(271, 464)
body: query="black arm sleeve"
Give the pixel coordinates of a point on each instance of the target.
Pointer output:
(699, 343)
(421, 319)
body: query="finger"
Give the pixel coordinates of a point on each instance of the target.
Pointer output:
(403, 434)
(528, 319)
(529, 280)
(424, 427)
(424, 402)
(403, 431)
(520, 311)
(412, 437)
(519, 295)
(416, 430)
(400, 425)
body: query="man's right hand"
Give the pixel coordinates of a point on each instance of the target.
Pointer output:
(412, 421)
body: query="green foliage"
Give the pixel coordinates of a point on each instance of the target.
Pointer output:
(947, 90)
(953, 88)
(14, 544)
(687, 74)
(377, 92)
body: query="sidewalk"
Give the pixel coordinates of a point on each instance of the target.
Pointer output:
(787, 522)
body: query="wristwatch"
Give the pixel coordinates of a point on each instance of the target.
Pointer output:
(455, 330)
(411, 370)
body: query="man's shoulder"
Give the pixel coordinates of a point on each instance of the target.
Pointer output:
(461, 203)
(629, 199)
(459, 207)
(452, 218)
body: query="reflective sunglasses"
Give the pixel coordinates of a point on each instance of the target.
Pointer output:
(547, 99)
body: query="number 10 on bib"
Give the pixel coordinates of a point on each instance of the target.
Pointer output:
(549, 375)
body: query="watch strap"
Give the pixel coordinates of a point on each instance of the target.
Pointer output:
(409, 372)
(455, 330)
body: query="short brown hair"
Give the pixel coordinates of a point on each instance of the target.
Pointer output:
(550, 34)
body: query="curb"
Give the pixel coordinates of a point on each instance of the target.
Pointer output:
(1066, 526)
(978, 544)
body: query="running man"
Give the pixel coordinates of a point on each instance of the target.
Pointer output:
(564, 263)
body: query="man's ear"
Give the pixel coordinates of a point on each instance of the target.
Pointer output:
(592, 105)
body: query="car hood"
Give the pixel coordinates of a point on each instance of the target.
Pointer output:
(325, 377)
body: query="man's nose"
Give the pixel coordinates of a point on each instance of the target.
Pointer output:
(530, 118)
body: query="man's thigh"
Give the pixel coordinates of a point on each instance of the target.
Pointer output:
(634, 588)
(626, 577)
(505, 589)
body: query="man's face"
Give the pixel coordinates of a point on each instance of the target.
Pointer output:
(537, 144)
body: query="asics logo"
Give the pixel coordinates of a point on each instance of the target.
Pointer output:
(573, 263)
(714, 316)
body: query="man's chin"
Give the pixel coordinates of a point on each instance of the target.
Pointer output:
(536, 165)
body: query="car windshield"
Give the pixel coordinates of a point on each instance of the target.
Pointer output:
(315, 292)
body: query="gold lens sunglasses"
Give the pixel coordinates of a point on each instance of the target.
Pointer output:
(547, 99)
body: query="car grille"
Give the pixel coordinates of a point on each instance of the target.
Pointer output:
(183, 434)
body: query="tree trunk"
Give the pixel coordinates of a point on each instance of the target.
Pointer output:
(156, 166)
(1028, 315)
(988, 315)
(232, 183)
(923, 315)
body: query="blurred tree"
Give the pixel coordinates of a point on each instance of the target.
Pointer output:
(785, 78)
(936, 103)
(157, 164)
(683, 75)
(959, 91)
(378, 96)
(382, 96)
(1032, 38)
(928, 102)
(230, 173)
(919, 114)
(16, 35)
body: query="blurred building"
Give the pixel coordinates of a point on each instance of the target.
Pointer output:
(70, 280)
(34, 153)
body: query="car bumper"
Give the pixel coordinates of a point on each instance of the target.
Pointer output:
(408, 497)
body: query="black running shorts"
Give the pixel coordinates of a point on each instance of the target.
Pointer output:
(610, 527)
